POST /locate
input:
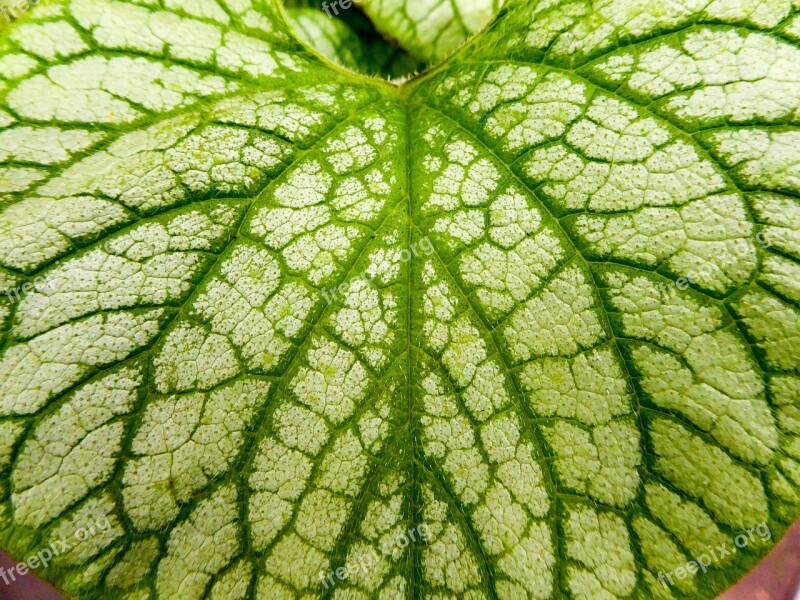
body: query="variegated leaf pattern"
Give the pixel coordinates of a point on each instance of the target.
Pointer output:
(266, 319)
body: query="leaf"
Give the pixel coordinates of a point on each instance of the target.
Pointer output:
(525, 326)
(354, 44)
(430, 30)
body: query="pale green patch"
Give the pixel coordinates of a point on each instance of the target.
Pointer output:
(696, 530)
(264, 318)
(600, 543)
(75, 449)
(430, 29)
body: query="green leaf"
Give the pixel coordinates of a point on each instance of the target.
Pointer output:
(523, 327)
(430, 30)
(352, 43)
